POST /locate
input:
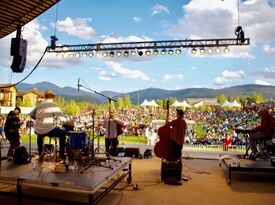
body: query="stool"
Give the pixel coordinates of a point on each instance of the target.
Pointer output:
(50, 150)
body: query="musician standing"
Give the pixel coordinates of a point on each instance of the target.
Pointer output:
(177, 136)
(263, 131)
(111, 135)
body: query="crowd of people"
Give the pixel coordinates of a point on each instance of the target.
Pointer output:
(219, 127)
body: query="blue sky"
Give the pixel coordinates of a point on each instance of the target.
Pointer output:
(95, 21)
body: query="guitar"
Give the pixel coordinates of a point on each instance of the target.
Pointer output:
(162, 147)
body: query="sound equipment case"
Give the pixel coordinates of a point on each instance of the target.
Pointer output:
(171, 169)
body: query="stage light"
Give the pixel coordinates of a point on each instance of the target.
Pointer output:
(111, 54)
(163, 52)
(98, 54)
(77, 55)
(147, 53)
(84, 55)
(210, 50)
(178, 51)
(202, 51)
(226, 50)
(91, 54)
(126, 53)
(218, 50)
(119, 54)
(71, 55)
(104, 54)
(156, 52)
(193, 51)
(140, 53)
(170, 52)
(133, 53)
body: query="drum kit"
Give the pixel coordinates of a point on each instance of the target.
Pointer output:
(80, 147)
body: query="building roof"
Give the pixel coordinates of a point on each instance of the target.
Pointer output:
(24, 11)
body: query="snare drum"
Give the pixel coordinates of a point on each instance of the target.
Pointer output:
(77, 140)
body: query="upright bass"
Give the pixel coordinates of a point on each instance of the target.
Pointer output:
(162, 147)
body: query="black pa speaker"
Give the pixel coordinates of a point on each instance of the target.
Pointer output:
(19, 53)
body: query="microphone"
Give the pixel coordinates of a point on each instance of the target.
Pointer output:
(78, 84)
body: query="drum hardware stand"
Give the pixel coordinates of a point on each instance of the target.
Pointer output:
(94, 159)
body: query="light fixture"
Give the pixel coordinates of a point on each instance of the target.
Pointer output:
(178, 51)
(104, 54)
(133, 53)
(126, 53)
(170, 52)
(84, 55)
(119, 54)
(140, 53)
(226, 50)
(147, 53)
(194, 51)
(112, 54)
(77, 55)
(91, 54)
(98, 54)
(156, 52)
(163, 52)
(202, 51)
(218, 50)
(210, 50)
(71, 55)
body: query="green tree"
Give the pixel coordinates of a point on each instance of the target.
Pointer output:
(127, 101)
(257, 97)
(119, 103)
(71, 108)
(221, 99)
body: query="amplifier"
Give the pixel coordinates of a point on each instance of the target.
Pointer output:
(132, 152)
(171, 169)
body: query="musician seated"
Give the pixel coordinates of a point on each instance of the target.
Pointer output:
(47, 116)
(264, 131)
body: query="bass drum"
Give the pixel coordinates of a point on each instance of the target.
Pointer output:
(77, 142)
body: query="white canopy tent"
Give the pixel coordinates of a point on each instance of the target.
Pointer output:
(153, 103)
(235, 104)
(185, 104)
(226, 104)
(145, 103)
(180, 104)
(176, 104)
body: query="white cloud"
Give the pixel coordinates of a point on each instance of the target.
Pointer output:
(218, 19)
(196, 86)
(120, 71)
(233, 75)
(158, 9)
(167, 77)
(36, 46)
(267, 73)
(220, 81)
(104, 75)
(228, 76)
(77, 27)
(137, 19)
(268, 49)
(261, 82)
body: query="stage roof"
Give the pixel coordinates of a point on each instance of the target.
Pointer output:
(12, 11)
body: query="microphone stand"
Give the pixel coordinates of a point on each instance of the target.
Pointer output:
(94, 159)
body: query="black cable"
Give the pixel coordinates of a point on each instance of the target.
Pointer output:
(8, 86)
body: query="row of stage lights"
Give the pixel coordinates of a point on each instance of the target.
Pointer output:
(147, 53)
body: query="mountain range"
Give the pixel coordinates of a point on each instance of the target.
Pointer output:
(150, 93)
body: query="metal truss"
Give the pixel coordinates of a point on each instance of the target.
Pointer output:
(174, 44)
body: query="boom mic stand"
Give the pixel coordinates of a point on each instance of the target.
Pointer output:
(96, 152)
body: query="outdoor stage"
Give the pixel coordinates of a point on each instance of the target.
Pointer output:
(246, 165)
(24, 177)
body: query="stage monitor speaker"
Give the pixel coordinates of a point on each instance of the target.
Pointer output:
(19, 53)
(132, 152)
